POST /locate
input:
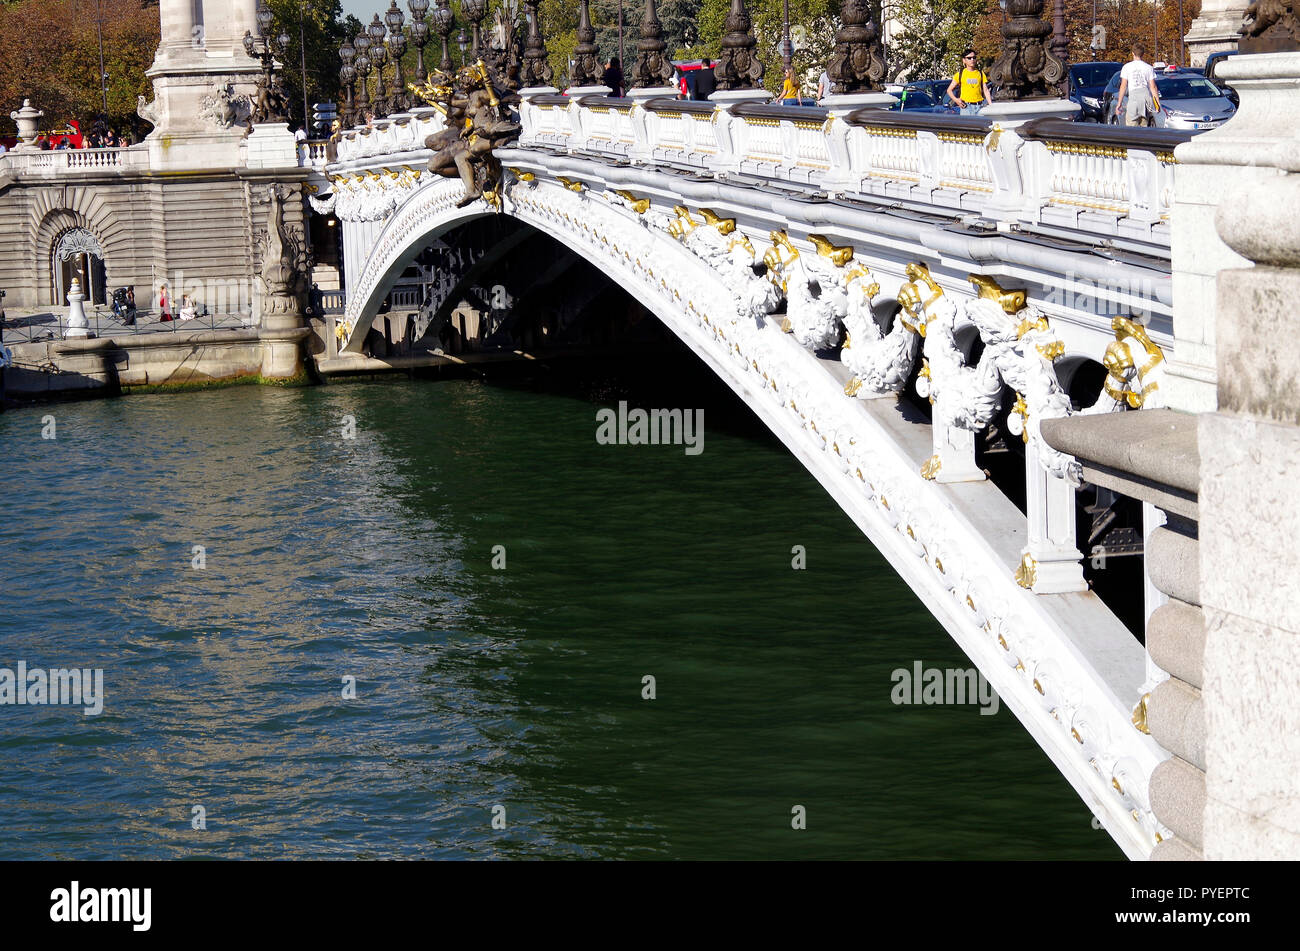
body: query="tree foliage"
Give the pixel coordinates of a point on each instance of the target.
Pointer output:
(49, 53)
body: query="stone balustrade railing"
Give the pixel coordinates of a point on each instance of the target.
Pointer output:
(397, 134)
(59, 162)
(314, 153)
(1049, 173)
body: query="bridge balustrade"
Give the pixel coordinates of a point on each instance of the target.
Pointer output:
(57, 162)
(1050, 172)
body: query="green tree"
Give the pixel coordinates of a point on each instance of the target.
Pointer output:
(49, 52)
(313, 25)
(933, 35)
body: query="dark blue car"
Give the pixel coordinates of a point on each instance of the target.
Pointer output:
(1087, 87)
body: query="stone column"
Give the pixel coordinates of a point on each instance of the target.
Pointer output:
(178, 37)
(1215, 29)
(1250, 452)
(224, 24)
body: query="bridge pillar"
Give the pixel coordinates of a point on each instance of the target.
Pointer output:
(1250, 465)
(1214, 29)
(1050, 504)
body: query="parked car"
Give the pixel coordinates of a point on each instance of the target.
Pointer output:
(1212, 64)
(1187, 101)
(916, 98)
(1087, 83)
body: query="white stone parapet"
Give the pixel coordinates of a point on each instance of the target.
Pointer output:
(58, 163)
(1030, 168)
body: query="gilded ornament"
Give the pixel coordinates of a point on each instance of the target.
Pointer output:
(1010, 301)
(930, 468)
(839, 256)
(1027, 574)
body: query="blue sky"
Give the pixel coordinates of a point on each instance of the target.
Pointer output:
(365, 10)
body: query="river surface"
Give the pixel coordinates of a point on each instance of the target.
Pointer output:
(327, 558)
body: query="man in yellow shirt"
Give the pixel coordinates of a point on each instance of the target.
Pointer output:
(972, 84)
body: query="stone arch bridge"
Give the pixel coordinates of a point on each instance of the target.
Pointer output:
(891, 294)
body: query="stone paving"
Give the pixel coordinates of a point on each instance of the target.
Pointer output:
(28, 325)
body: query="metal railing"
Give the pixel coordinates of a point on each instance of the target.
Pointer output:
(53, 326)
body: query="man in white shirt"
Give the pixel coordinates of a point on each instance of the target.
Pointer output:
(1138, 80)
(824, 84)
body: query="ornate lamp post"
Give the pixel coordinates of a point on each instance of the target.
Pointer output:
(474, 10)
(785, 34)
(419, 36)
(378, 56)
(444, 21)
(270, 104)
(586, 59)
(653, 68)
(738, 67)
(362, 46)
(1027, 67)
(462, 41)
(536, 70)
(858, 62)
(400, 101)
(1060, 42)
(347, 77)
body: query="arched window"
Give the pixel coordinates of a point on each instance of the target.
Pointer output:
(78, 253)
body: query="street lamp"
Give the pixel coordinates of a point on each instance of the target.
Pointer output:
(419, 36)
(474, 10)
(444, 21)
(378, 57)
(463, 42)
(362, 46)
(347, 75)
(785, 34)
(270, 105)
(396, 47)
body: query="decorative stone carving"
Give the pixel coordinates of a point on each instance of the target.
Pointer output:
(282, 275)
(880, 362)
(1027, 68)
(732, 256)
(27, 119)
(148, 111)
(858, 62)
(816, 300)
(738, 66)
(225, 110)
(654, 66)
(76, 242)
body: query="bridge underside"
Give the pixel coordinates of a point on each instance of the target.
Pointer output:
(1062, 661)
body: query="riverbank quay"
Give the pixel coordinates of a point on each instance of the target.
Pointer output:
(222, 350)
(124, 360)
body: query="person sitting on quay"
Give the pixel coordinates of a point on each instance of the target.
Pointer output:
(188, 309)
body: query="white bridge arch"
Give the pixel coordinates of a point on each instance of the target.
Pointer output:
(1063, 664)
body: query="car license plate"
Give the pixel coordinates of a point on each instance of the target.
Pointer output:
(1205, 125)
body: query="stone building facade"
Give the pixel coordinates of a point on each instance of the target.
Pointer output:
(187, 206)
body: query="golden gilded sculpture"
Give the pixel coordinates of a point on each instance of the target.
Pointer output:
(839, 256)
(476, 123)
(1011, 301)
